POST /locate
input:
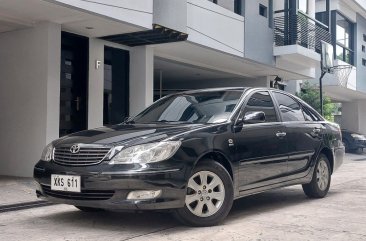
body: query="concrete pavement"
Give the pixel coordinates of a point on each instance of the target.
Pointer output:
(283, 214)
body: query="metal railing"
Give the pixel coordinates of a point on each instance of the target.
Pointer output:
(300, 29)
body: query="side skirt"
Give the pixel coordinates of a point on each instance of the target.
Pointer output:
(253, 191)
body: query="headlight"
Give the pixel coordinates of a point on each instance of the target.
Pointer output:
(146, 153)
(358, 137)
(47, 153)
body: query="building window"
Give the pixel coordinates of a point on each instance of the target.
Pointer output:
(303, 5)
(238, 4)
(343, 39)
(263, 11)
(232, 5)
(363, 48)
(364, 37)
(364, 62)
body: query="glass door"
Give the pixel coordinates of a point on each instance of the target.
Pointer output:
(73, 83)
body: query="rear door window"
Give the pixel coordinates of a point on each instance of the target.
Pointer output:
(289, 108)
(309, 115)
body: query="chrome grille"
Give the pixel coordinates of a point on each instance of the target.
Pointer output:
(87, 155)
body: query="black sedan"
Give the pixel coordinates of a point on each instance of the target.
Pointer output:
(353, 141)
(194, 153)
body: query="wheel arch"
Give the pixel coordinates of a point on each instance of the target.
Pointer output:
(329, 154)
(220, 158)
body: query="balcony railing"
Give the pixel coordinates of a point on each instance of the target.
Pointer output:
(300, 29)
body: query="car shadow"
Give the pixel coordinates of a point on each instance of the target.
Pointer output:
(146, 222)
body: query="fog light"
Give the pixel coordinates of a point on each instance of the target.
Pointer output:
(143, 195)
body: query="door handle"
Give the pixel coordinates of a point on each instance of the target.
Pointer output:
(78, 99)
(281, 134)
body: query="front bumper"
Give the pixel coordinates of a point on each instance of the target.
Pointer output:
(107, 186)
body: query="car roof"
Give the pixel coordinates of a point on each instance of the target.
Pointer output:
(233, 88)
(215, 89)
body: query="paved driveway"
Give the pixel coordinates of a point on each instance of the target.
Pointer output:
(283, 214)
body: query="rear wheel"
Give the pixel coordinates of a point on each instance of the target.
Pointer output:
(320, 183)
(89, 209)
(209, 195)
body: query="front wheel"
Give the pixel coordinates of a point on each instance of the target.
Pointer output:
(209, 195)
(320, 183)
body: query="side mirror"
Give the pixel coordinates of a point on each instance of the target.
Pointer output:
(254, 117)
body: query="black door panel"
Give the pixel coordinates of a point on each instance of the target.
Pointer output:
(73, 83)
(261, 148)
(303, 134)
(304, 142)
(262, 154)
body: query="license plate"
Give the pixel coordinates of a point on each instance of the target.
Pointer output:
(65, 183)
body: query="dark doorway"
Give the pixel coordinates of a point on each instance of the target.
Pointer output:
(74, 79)
(116, 85)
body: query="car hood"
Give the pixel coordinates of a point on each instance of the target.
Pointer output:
(127, 134)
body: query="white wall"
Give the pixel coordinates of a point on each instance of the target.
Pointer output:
(137, 13)
(29, 95)
(258, 33)
(96, 83)
(215, 27)
(171, 14)
(96, 80)
(354, 116)
(216, 83)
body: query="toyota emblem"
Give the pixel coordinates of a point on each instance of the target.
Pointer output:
(75, 149)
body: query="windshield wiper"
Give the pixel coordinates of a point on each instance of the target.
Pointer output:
(167, 121)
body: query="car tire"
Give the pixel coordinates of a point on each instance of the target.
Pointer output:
(207, 203)
(89, 209)
(320, 182)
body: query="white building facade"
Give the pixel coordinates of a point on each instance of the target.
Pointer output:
(71, 65)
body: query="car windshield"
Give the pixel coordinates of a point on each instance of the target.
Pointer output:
(194, 107)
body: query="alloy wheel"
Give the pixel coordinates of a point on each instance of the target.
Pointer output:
(322, 175)
(205, 194)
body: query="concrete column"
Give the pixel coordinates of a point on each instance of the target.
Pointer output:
(29, 95)
(354, 116)
(96, 83)
(141, 78)
(311, 8)
(293, 86)
(53, 51)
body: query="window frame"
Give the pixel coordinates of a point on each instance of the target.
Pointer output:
(351, 38)
(246, 100)
(265, 8)
(297, 101)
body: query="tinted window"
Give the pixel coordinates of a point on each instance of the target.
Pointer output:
(262, 101)
(290, 109)
(309, 115)
(203, 107)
